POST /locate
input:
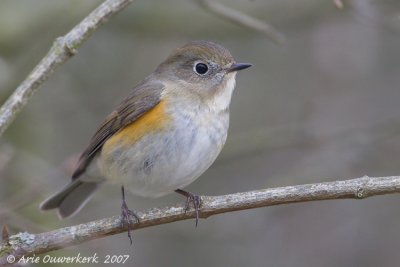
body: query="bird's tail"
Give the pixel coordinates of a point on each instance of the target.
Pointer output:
(71, 198)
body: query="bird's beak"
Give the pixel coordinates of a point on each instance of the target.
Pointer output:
(238, 66)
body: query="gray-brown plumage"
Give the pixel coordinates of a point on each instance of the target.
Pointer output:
(186, 100)
(72, 197)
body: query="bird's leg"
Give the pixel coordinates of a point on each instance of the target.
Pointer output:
(191, 198)
(126, 215)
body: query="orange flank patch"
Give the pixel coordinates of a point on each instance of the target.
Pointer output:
(152, 121)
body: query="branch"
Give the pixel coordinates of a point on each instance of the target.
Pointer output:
(27, 244)
(243, 20)
(63, 49)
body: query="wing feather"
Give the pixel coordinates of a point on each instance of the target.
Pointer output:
(142, 98)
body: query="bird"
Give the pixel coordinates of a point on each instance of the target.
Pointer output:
(164, 135)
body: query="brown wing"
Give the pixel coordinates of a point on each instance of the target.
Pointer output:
(143, 97)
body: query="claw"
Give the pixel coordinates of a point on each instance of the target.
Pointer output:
(191, 198)
(126, 215)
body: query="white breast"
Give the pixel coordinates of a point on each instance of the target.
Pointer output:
(160, 163)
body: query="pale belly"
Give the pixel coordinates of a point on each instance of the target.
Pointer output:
(160, 163)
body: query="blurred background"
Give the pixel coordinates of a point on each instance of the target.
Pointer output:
(324, 106)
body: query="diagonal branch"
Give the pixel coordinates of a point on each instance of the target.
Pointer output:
(27, 244)
(65, 47)
(243, 20)
(62, 49)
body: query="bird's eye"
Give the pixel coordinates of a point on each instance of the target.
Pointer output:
(201, 68)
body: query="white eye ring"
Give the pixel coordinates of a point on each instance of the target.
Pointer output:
(201, 68)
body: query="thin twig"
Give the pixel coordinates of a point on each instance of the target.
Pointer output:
(62, 49)
(243, 20)
(28, 244)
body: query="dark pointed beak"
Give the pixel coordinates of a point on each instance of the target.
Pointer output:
(239, 66)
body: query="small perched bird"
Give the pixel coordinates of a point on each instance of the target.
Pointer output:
(163, 136)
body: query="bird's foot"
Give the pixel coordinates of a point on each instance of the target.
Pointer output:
(193, 199)
(126, 215)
